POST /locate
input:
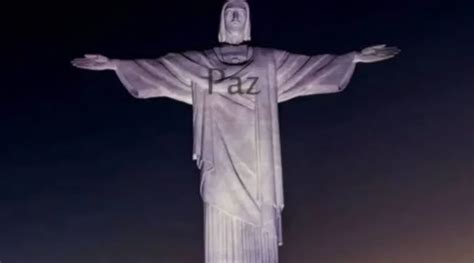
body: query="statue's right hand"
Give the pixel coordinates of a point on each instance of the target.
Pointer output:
(94, 62)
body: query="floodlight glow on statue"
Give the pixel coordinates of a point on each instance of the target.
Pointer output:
(236, 132)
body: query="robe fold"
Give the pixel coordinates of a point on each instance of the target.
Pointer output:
(236, 134)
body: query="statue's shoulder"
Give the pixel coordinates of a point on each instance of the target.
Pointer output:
(193, 54)
(186, 56)
(275, 53)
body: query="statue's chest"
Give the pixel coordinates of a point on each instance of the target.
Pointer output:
(242, 84)
(246, 81)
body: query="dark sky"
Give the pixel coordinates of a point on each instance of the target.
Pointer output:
(381, 173)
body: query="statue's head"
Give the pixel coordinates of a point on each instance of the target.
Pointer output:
(235, 22)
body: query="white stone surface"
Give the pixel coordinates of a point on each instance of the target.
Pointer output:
(234, 90)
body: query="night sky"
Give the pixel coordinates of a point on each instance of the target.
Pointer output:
(380, 173)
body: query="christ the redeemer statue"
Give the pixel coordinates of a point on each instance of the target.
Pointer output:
(234, 90)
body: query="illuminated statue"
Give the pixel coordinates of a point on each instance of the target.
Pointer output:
(234, 90)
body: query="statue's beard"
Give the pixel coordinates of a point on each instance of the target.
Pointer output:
(235, 38)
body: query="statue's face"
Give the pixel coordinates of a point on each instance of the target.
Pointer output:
(235, 19)
(235, 22)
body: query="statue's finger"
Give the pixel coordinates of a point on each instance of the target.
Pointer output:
(79, 60)
(78, 65)
(368, 51)
(379, 46)
(86, 66)
(390, 48)
(82, 64)
(384, 53)
(395, 52)
(388, 52)
(392, 53)
(92, 55)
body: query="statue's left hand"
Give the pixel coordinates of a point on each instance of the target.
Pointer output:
(94, 62)
(376, 54)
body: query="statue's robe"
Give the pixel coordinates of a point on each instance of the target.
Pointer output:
(236, 136)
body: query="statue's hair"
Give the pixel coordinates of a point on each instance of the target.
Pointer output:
(222, 30)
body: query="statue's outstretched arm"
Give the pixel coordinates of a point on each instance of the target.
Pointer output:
(303, 75)
(166, 76)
